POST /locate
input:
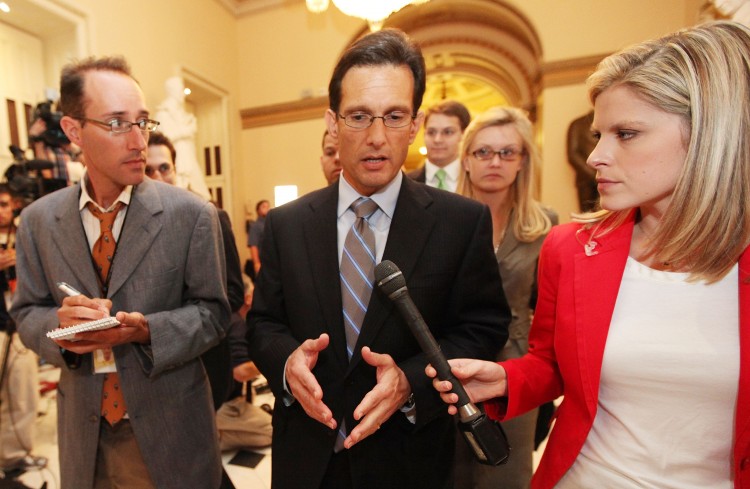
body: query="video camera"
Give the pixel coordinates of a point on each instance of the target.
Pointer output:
(53, 134)
(25, 179)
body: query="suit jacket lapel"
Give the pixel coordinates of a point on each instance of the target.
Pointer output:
(508, 244)
(139, 231)
(70, 236)
(742, 428)
(597, 282)
(321, 245)
(411, 226)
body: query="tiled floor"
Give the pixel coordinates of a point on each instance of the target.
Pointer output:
(46, 445)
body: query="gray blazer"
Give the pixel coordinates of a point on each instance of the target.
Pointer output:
(517, 262)
(169, 265)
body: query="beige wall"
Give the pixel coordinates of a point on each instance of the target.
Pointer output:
(286, 51)
(280, 54)
(161, 38)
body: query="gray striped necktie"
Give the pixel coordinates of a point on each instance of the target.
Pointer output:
(357, 273)
(357, 270)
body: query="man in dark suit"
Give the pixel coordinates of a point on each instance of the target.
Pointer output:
(165, 285)
(358, 412)
(444, 125)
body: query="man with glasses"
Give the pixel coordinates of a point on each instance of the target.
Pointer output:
(444, 125)
(354, 408)
(134, 401)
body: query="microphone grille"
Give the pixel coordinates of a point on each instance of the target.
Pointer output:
(388, 277)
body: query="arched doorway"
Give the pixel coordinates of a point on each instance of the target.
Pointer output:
(482, 53)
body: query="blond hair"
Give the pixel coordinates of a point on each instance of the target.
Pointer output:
(703, 75)
(529, 219)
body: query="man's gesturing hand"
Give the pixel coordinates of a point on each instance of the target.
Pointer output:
(303, 384)
(388, 395)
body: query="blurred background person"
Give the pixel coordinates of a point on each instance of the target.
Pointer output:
(160, 165)
(580, 144)
(160, 158)
(499, 160)
(19, 382)
(443, 126)
(643, 317)
(49, 143)
(329, 160)
(180, 126)
(256, 233)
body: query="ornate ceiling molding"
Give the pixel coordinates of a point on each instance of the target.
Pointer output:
(569, 71)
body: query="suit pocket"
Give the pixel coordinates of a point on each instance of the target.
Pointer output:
(168, 278)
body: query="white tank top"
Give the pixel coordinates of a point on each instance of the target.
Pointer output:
(668, 390)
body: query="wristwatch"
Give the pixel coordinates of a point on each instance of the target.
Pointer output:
(409, 404)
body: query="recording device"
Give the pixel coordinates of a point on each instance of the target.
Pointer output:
(25, 179)
(484, 435)
(53, 135)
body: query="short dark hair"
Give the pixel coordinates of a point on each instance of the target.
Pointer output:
(159, 139)
(323, 141)
(72, 99)
(453, 109)
(385, 47)
(5, 189)
(260, 203)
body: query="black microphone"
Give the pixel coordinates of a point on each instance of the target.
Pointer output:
(484, 435)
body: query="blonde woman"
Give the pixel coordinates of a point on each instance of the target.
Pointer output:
(643, 318)
(499, 159)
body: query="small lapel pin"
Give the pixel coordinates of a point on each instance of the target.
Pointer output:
(588, 248)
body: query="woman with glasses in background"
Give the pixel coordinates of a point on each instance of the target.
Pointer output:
(499, 160)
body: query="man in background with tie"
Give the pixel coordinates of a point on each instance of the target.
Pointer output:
(444, 125)
(353, 406)
(134, 405)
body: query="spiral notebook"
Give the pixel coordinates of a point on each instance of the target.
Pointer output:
(69, 332)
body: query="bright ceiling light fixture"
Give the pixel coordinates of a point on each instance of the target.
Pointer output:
(373, 11)
(317, 6)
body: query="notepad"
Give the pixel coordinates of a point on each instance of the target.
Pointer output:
(69, 332)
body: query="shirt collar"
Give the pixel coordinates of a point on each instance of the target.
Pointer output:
(386, 197)
(452, 170)
(85, 198)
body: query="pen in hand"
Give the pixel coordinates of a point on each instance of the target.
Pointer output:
(70, 291)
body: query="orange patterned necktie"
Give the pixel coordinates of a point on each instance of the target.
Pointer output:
(113, 403)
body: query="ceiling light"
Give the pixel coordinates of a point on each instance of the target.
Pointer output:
(317, 6)
(374, 12)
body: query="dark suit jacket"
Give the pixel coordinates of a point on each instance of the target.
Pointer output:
(442, 243)
(418, 175)
(169, 265)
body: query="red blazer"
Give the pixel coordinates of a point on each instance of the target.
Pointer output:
(577, 294)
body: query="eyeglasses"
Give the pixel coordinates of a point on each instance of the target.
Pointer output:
(164, 169)
(363, 120)
(119, 126)
(506, 154)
